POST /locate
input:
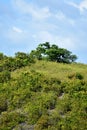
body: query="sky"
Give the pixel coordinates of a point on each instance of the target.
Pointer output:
(26, 23)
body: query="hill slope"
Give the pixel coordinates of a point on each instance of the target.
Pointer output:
(45, 96)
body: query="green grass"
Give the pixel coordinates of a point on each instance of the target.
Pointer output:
(53, 69)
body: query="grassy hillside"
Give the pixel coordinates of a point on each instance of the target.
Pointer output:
(45, 96)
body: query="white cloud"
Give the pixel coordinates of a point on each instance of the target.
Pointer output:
(16, 29)
(62, 17)
(35, 11)
(15, 34)
(81, 7)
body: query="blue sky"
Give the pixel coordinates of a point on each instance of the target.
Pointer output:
(26, 23)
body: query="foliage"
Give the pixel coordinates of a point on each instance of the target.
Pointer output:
(79, 76)
(20, 59)
(53, 53)
(44, 51)
(42, 96)
(5, 76)
(9, 120)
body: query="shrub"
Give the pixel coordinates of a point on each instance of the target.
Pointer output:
(5, 76)
(42, 123)
(9, 120)
(79, 76)
(3, 103)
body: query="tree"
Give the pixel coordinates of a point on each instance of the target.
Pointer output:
(41, 50)
(53, 53)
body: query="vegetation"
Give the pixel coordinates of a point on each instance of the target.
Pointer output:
(20, 59)
(42, 94)
(53, 53)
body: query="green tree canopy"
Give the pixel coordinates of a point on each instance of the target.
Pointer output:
(53, 53)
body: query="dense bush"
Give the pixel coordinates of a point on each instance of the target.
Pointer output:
(79, 76)
(5, 76)
(20, 59)
(9, 120)
(3, 104)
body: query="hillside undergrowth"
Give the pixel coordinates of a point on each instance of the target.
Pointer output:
(45, 96)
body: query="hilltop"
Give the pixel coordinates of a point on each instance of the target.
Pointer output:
(43, 90)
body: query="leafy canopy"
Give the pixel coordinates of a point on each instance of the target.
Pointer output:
(53, 53)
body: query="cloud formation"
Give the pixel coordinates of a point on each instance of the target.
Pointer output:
(82, 6)
(15, 34)
(36, 12)
(16, 29)
(62, 17)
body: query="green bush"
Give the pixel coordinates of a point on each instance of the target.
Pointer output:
(42, 123)
(9, 120)
(3, 103)
(5, 76)
(79, 76)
